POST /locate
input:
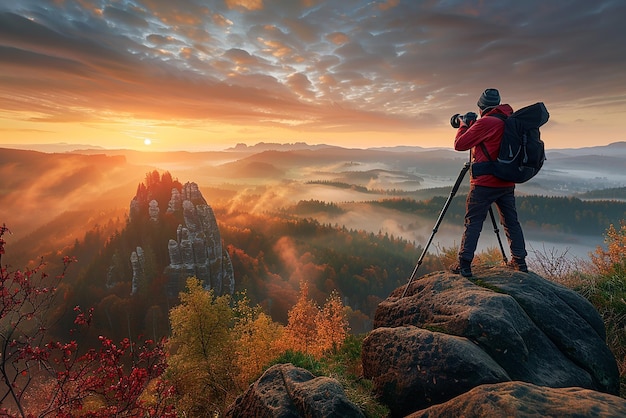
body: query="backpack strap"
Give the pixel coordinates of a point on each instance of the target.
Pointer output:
(499, 116)
(484, 148)
(482, 144)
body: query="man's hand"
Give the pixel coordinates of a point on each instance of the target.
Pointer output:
(468, 119)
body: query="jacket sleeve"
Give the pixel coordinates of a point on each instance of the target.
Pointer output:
(467, 138)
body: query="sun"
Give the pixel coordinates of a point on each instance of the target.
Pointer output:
(147, 141)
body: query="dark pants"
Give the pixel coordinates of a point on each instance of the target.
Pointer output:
(478, 202)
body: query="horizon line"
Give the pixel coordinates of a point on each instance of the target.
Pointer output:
(39, 147)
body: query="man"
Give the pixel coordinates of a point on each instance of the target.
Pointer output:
(484, 135)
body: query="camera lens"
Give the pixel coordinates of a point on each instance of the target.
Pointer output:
(454, 120)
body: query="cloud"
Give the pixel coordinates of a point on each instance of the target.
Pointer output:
(300, 84)
(124, 17)
(246, 4)
(331, 66)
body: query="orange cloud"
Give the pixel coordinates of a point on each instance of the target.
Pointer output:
(338, 38)
(246, 4)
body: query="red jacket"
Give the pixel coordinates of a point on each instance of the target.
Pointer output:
(488, 131)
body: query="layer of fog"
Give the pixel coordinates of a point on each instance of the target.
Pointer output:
(37, 191)
(359, 214)
(448, 234)
(44, 187)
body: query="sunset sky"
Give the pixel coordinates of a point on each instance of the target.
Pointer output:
(208, 74)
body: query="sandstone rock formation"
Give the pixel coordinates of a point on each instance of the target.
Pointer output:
(138, 263)
(153, 210)
(449, 335)
(197, 250)
(524, 400)
(288, 391)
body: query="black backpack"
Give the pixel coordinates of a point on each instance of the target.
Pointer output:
(522, 151)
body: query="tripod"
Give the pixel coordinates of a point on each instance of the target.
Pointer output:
(455, 188)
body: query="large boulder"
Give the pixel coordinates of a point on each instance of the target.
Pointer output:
(411, 367)
(288, 391)
(449, 334)
(521, 400)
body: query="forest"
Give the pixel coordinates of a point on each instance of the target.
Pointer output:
(559, 214)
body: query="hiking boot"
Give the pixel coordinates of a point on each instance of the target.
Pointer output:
(463, 267)
(518, 264)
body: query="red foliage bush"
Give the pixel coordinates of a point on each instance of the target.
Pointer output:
(41, 377)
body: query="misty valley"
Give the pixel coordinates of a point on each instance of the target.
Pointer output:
(272, 219)
(347, 219)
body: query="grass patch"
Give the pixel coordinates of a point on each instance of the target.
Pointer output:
(484, 284)
(345, 366)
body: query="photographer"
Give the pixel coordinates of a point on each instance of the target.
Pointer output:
(484, 135)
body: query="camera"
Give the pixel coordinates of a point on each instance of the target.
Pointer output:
(467, 119)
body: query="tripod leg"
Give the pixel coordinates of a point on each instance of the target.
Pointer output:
(455, 188)
(497, 232)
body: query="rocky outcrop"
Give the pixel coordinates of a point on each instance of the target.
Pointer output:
(524, 400)
(449, 335)
(153, 210)
(138, 264)
(197, 250)
(288, 391)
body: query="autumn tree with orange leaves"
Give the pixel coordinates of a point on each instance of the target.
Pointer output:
(312, 330)
(332, 324)
(613, 259)
(301, 330)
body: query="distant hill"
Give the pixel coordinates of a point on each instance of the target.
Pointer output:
(618, 147)
(438, 162)
(274, 146)
(250, 169)
(614, 149)
(58, 147)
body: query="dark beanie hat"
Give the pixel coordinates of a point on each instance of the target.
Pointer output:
(489, 98)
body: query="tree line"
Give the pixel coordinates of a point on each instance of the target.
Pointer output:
(569, 215)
